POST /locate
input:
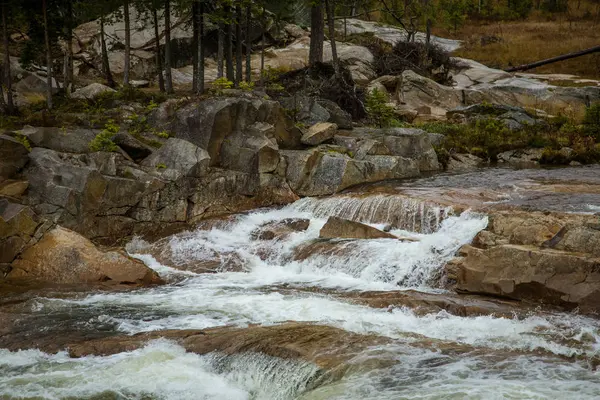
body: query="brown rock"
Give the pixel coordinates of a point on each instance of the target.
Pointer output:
(12, 188)
(280, 229)
(527, 272)
(339, 228)
(325, 346)
(63, 256)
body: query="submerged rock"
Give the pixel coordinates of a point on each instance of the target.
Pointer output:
(63, 256)
(281, 229)
(339, 228)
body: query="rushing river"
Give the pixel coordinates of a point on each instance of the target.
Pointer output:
(540, 356)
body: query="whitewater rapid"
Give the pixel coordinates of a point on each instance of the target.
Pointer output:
(511, 358)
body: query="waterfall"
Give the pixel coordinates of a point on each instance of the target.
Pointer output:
(397, 211)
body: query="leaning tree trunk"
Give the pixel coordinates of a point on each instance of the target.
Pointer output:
(248, 42)
(10, 107)
(229, 47)
(201, 48)
(127, 66)
(239, 54)
(317, 33)
(105, 64)
(195, 47)
(330, 22)
(168, 77)
(158, 55)
(48, 56)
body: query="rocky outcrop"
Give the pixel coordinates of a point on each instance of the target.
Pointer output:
(63, 256)
(63, 140)
(177, 158)
(540, 257)
(339, 228)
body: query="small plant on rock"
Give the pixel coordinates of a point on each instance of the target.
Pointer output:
(103, 140)
(378, 111)
(24, 141)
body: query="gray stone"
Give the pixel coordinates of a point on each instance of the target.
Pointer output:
(183, 157)
(132, 146)
(336, 115)
(91, 91)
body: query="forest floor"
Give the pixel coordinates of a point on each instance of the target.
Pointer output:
(503, 44)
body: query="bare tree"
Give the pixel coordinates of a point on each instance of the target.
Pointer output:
(248, 41)
(10, 108)
(317, 32)
(105, 64)
(229, 45)
(168, 77)
(239, 54)
(127, 60)
(200, 48)
(158, 55)
(195, 46)
(48, 55)
(331, 24)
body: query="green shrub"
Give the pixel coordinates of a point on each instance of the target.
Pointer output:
(379, 112)
(591, 120)
(219, 85)
(24, 141)
(103, 140)
(246, 86)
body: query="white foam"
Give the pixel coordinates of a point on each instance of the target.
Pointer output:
(161, 369)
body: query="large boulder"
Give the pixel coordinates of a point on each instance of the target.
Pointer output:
(280, 229)
(13, 157)
(91, 91)
(62, 140)
(63, 256)
(319, 133)
(339, 228)
(177, 158)
(525, 272)
(319, 172)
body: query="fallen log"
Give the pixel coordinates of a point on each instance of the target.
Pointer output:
(536, 64)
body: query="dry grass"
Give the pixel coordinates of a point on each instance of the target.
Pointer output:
(522, 42)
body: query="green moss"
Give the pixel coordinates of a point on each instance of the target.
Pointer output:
(103, 140)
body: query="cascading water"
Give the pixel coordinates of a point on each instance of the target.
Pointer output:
(248, 289)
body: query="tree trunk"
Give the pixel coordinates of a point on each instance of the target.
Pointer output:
(248, 43)
(195, 47)
(10, 108)
(262, 46)
(105, 64)
(168, 77)
(330, 22)
(229, 47)
(69, 78)
(48, 56)
(127, 43)
(220, 50)
(239, 53)
(317, 33)
(200, 48)
(428, 34)
(158, 56)
(567, 56)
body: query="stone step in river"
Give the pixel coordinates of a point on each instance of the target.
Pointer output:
(259, 306)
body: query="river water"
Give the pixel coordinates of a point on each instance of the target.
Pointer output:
(543, 355)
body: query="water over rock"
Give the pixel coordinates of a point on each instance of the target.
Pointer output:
(339, 228)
